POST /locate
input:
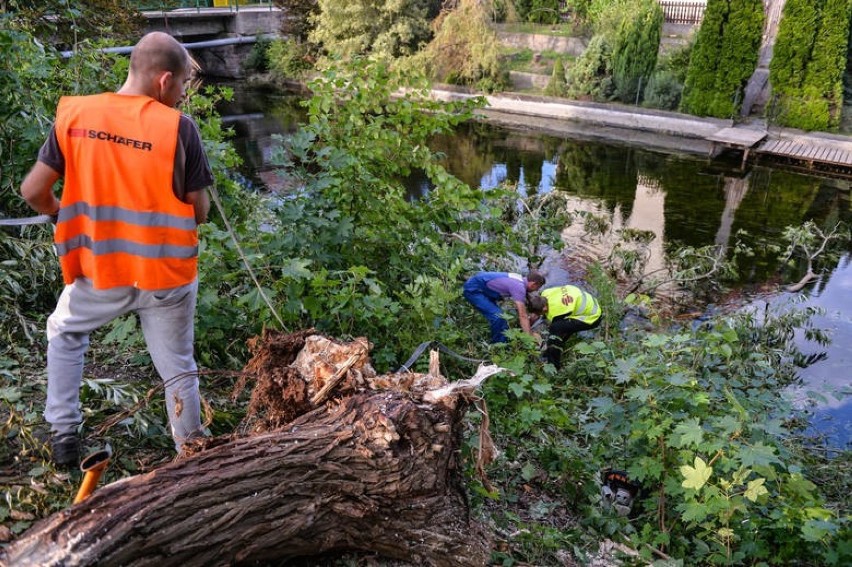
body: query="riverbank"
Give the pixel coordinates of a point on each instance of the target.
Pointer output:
(654, 129)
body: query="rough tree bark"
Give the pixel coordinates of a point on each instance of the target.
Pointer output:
(375, 467)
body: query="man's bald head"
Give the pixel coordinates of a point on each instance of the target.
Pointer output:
(157, 52)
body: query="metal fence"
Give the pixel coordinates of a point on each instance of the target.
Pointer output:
(166, 5)
(683, 11)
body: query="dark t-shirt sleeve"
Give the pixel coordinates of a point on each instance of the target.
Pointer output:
(51, 155)
(192, 170)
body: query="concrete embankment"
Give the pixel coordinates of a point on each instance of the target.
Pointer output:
(632, 125)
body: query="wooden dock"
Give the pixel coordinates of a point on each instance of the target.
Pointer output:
(809, 152)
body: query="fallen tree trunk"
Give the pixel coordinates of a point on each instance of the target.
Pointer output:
(375, 470)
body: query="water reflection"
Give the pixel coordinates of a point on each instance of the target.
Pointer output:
(827, 383)
(680, 199)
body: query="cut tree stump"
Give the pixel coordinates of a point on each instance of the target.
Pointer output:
(375, 467)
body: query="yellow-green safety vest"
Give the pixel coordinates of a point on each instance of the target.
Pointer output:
(583, 306)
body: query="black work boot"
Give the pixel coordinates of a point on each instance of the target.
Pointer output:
(65, 449)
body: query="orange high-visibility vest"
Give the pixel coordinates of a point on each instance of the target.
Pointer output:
(120, 223)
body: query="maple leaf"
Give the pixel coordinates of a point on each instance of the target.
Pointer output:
(696, 476)
(755, 489)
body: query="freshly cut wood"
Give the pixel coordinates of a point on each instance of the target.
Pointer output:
(374, 469)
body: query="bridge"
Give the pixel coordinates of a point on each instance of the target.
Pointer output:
(220, 38)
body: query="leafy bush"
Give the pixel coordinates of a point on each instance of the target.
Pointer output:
(68, 24)
(724, 57)
(544, 11)
(676, 61)
(693, 416)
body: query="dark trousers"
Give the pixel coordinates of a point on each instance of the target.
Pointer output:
(560, 329)
(491, 311)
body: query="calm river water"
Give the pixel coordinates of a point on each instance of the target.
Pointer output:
(682, 199)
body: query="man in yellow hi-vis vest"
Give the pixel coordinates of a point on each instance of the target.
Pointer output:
(569, 310)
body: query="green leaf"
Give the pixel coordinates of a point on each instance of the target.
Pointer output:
(688, 433)
(585, 348)
(758, 454)
(518, 389)
(655, 341)
(621, 371)
(694, 512)
(756, 489)
(728, 424)
(638, 393)
(817, 530)
(697, 475)
(730, 336)
(678, 379)
(296, 268)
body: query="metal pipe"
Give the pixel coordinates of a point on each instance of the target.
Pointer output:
(93, 466)
(194, 45)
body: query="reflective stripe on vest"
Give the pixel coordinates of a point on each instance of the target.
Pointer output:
(583, 306)
(120, 223)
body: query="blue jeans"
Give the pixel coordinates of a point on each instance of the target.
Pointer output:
(492, 312)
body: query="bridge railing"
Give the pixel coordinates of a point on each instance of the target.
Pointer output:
(166, 5)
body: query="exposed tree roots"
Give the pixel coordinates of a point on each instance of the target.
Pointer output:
(333, 458)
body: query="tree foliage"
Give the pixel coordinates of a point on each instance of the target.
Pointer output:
(724, 57)
(665, 87)
(300, 19)
(68, 23)
(348, 28)
(591, 74)
(809, 61)
(635, 47)
(556, 85)
(539, 11)
(465, 49)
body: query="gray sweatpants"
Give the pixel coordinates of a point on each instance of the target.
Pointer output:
(167, 323)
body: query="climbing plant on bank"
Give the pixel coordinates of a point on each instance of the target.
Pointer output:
(809, 59)
(724, 57)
